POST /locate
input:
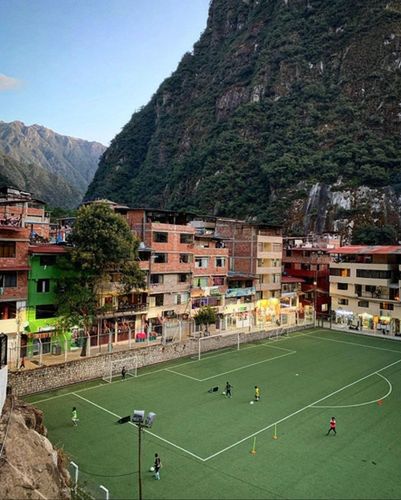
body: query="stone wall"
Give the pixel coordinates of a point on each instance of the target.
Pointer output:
(46, 378)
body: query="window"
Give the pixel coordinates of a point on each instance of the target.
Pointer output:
(345, 273)
(343, 302)
(220, 261)
(342, 286)
(218, 280)
(160, 258)
(182, 278)
(43, 286)
(8, 310)
(8, 279)
(277, 247)
(186, 238)
(159, 300)
(46, 311)
(185, 258)
(182, 298)
(7, 249)
(363, 303)
(200, 282)
(370, 288)
(47, 260)
(156, 279)
(160, 237)
(201, 262)
(373, 274)
(386, 306)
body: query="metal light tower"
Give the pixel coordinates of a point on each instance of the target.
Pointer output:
(138, 418)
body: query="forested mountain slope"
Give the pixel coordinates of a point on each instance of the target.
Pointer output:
(281, 104)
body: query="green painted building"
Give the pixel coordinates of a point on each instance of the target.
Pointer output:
(42, 333)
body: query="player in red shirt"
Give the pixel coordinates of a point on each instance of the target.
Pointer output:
(332, 426)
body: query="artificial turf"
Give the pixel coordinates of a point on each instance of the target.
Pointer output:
(204, 439)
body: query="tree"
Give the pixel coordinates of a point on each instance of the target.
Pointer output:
(373, 235)
(205, 316)
(102, 245)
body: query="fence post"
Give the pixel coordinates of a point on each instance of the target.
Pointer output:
(106, 491)
(76, 474)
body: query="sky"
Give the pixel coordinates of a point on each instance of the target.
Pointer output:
(83, 67)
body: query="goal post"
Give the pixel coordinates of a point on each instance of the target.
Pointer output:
(114, 367)
(220, 341)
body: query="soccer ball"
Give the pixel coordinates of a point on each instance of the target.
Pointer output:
(251, 402)
(224, 393)
(152, 469)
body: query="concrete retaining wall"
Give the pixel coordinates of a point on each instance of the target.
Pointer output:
(47, 378)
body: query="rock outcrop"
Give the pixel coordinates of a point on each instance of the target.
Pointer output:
(30, 468)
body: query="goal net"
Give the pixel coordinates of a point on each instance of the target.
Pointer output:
(223, 341)
(114, 369)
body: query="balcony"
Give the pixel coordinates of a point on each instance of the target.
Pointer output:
(122, 310)
(240, 292)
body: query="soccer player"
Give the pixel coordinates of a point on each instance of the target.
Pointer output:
(257, 393)
(157, 466)
(332, 426)
(74, 416)
(228, 390)
(123, 372)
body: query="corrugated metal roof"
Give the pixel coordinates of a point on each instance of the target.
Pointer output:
(367, 249)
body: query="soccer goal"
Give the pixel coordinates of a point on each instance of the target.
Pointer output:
(114, 369)
(218, 342)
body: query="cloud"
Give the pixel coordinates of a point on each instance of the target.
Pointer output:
(8, 83)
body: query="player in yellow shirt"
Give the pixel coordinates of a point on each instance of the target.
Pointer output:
(257, 393)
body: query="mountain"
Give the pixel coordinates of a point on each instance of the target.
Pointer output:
(44, 185)
(281, 112)
(68, 162)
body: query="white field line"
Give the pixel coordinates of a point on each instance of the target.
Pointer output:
(248, 366)
(183, 375)
(366, 402)
(145, 430)
(253, 346)
(299, 411)
(355, 343)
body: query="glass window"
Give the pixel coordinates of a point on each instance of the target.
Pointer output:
(186, 238)
(182, 278)
(342, 286)
(8, 279)
(160, 258)
(201, 262)
(43, 286)
(386, 306)
(363, 303)
(345, 273)
(373, 274)
(46, 311)
(160, 237)
(220, 261)
(7, 249)
(343, 302)
(200, 282)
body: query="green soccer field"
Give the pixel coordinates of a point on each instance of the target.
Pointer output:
(205, 439)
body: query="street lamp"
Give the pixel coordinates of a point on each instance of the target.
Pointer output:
(138, 419)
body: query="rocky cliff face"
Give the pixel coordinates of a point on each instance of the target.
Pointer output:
(29, 465)
(277, 96)
(67, 163)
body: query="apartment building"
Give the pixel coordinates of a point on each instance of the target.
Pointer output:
(255, 252)
(307, 258)
(365, 287)
(21, 219)
(291, 294)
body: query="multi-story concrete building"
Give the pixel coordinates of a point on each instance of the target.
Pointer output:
(255, 252)
(22, 219)
(365, 287)
(307, 258)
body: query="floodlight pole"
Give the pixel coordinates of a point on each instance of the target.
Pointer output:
(139, 462)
